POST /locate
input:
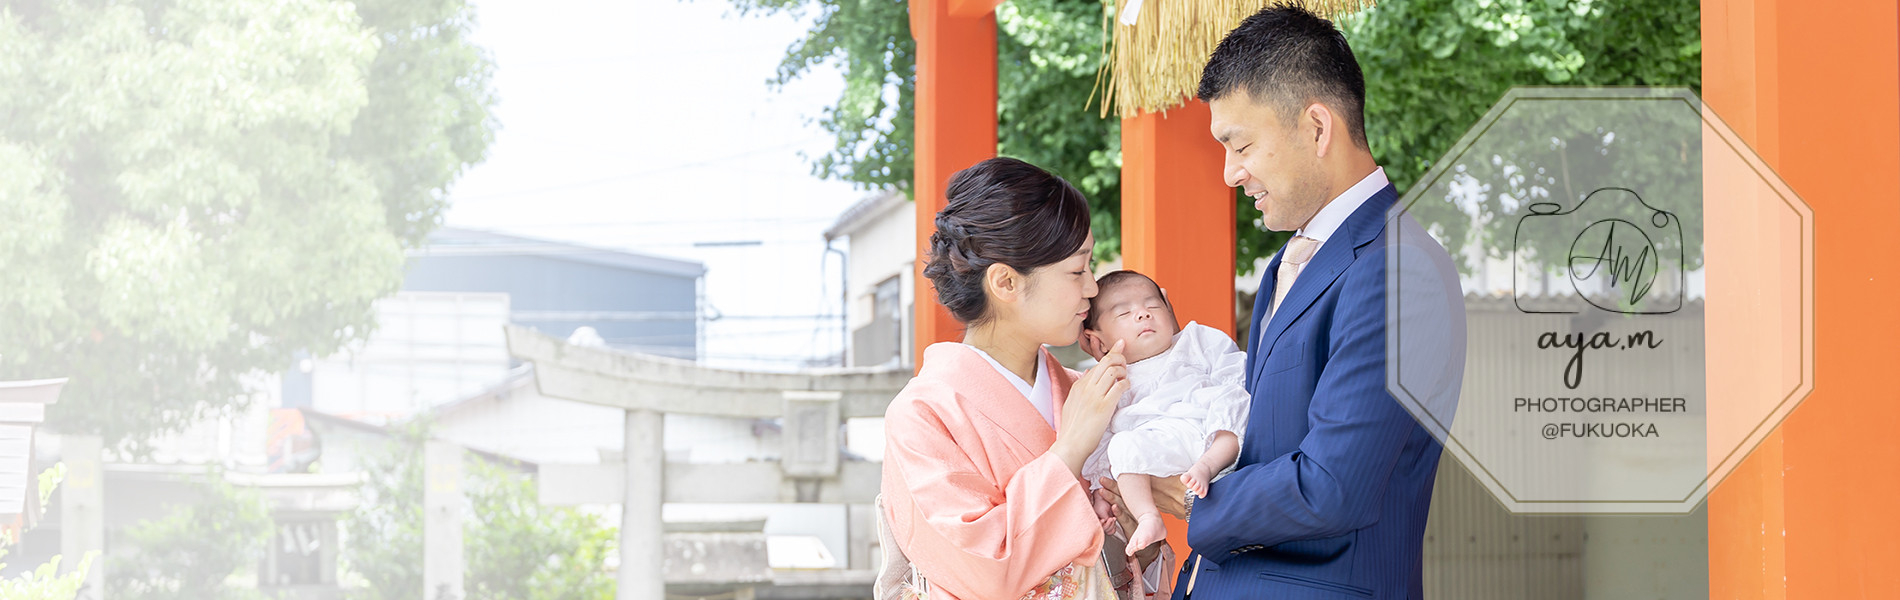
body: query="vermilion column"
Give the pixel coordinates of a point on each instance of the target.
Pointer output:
(1811, 514)
(1178, 223)
(956, 127)
(1177, 213)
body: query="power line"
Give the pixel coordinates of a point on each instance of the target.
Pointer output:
(632, 175)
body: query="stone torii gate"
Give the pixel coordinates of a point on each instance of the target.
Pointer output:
(647, 387)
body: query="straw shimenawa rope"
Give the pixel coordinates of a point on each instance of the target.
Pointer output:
(1155, 64)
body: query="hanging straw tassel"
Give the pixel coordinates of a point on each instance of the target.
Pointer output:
(1155, 64)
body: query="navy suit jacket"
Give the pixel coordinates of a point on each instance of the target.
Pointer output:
(1329, 496)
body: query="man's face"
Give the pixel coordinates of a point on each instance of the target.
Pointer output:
(1132, 310)
(1272, 158)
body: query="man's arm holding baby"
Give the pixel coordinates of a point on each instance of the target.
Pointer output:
(1334, 481)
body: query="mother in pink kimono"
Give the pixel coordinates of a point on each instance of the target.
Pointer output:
(982, 487)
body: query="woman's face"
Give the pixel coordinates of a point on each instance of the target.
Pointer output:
(1056, 299)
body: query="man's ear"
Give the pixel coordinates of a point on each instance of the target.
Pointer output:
(1093, 344)
(1320, 120)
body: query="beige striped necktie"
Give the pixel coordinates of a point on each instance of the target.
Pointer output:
(1298, 250)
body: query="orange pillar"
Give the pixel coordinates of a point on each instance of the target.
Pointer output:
(1177, 214)
(956, 127)
(1178, 223)
(1810, 514)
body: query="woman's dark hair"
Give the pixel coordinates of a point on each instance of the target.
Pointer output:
(1001, 210)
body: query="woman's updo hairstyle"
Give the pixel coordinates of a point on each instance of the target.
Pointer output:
(1001, 210)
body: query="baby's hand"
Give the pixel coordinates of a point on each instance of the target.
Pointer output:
(1104, 511)
(1196, 478)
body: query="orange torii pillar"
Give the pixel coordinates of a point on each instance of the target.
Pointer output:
(1178, 223)
(956, 128)
(1812, 513)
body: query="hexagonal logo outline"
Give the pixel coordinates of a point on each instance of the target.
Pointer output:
(1713, 475)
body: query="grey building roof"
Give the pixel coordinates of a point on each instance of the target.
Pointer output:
(864, 211)
(455, 241)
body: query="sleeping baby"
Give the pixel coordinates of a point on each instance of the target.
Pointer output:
(1186, 405)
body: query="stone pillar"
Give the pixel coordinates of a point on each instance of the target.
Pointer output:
(442, 560)
(82, 511)
(642, 551)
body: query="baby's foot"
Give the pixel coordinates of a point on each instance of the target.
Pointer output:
(1196, 478)
(1148, 530)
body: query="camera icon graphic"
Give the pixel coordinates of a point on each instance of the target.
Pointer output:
(1616, 258)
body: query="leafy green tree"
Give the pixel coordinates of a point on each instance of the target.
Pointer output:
(382, 537)
(193, 191)
(515, 547)
(45, 582)
(519, 549)
(1432, 68)
(188, 554)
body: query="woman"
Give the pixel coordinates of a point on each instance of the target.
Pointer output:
(982, 487)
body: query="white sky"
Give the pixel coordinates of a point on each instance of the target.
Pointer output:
(648, 126)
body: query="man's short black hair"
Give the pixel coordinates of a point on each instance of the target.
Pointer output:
(1288, 57)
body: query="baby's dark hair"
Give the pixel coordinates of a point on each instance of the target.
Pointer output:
(1001, 210)
(1111, 280)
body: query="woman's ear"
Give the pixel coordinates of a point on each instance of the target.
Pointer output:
(1003, 282)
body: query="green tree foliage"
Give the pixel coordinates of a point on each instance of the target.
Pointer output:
(45, 582)
(382, 538)
(195, 190)
(519, 549)
(188, 554)
(1432, 68)
(515, 547)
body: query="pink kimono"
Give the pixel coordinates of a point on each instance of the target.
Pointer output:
(974, 498)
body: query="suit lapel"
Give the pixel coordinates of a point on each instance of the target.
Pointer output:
(1256, 351)
(1319, 274)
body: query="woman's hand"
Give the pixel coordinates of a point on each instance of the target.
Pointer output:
(1090, 405)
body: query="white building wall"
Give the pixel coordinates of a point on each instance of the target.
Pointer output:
(429, 348)
(884, 246)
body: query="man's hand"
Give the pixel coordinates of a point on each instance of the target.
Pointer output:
(1169, 494)
(1112, 493)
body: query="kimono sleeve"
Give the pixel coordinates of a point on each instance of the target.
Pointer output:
(977, 538)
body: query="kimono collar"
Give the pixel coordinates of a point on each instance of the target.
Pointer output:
(961, 369)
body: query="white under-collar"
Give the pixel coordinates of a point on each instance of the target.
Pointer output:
(1039, 395)
(1335, 213)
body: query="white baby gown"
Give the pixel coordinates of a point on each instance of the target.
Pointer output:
(1176, 402)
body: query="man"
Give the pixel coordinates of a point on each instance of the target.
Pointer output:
(1330, 494)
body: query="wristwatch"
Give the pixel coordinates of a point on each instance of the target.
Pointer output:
(1187, 501)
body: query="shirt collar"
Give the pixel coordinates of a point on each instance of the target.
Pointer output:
(1335, 213)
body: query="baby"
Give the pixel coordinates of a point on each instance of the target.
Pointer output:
(1186, 406)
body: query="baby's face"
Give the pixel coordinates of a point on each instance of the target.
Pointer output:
(1133, 311)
